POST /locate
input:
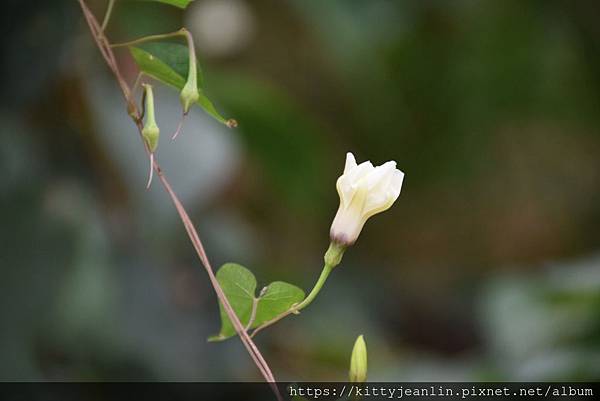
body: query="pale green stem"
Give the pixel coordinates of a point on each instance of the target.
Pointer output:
(333, 257)
(315, 291)
(189, 93)
(253, 314)
(294, 309)
(192, 70)
(111, 3)
(150, 38)
(137, 82)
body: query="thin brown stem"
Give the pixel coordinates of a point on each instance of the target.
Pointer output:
(133, 111)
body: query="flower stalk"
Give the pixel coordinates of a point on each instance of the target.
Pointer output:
(333, 257)
(327, 269)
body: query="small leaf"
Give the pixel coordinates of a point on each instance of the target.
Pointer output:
(176, 56)
(278, 298)
(177, 3)
(239, 286)
(157, 69)
(168, 63)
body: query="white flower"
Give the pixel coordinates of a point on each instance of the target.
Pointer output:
(364, 191)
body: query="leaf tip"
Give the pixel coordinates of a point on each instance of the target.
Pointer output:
(216, 338)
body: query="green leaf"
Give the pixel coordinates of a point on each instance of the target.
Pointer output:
(155, 68)
(176, 56)
(277, 298)
(177, 3)
(239, 286)
(168, 63)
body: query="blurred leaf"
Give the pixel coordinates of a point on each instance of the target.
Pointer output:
(177, 3)
(283, 136)
(239, 285)
(168, 63)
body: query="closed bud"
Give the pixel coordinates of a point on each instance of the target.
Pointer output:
(189, 93)
(150, 132)
(358, 361)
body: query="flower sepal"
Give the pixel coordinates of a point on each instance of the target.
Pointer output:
(334, 254)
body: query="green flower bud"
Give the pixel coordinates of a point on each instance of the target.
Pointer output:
(358, 361)
(150, 132)
(189, 93)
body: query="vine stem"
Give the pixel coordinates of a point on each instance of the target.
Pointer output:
(150, 38)
(319, 284)
(109, 9)
(108, 55)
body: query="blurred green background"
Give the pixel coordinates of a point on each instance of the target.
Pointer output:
(486, 268)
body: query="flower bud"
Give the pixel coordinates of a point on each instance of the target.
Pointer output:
(364, 191)
(189, 93)
(150, 132)
(358, 361)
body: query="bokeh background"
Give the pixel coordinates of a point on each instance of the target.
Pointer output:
(486, 268)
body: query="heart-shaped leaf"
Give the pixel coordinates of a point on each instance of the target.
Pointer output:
(239, 285)
(177, 3)
(168, 63)
(277, 298)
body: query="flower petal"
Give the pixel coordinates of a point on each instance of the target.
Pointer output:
(364, 190)
(378, 175)
(350, 162)
(397, 179)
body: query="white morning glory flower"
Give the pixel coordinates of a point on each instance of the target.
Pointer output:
(364, 191)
